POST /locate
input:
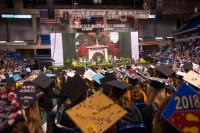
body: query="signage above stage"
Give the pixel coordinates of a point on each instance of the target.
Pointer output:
(15, 16)
(80, 26)
(156, 42)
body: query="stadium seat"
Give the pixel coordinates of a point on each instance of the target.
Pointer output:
(133, 128)
(139, 105)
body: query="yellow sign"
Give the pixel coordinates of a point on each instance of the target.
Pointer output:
(96, 114)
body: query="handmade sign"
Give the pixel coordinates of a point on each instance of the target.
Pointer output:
(96, 114)
(89, 73)
(97, 77)
(27, 94)
(193, 78)
(183, 110)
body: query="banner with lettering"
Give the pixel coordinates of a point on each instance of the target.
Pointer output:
(96, 114)
(183, 110)
(27, 94)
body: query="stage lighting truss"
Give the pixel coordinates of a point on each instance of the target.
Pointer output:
(95, 26)
(82, 14)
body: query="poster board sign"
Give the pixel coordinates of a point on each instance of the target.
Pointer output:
(181, 111)
(193, 78)
(96, 114)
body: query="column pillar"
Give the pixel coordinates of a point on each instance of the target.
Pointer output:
(35, 51)
(71, 23)
(104, 21)
(106, 54)
(34, 26)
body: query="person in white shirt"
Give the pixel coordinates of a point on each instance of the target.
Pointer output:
(44, 69)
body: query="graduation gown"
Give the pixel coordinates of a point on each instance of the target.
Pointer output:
(148, 116)
(133, 116)
(64, 123)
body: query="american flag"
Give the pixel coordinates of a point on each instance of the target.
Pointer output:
(45, 20)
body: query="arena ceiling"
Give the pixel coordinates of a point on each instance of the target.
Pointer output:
(170, 9)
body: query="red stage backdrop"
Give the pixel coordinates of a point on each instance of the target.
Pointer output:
(101, 47)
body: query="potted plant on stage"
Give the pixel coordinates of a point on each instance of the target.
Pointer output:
(67, 62)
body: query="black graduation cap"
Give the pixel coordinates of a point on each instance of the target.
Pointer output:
(104, 80)
(75, 88)
(188, 66)
(24, 73)
(133, 81)
(156, 84)
(10, 81)
(118, 87)
(6, 75)
(27, 94)
(43, 81)
(128, 67)
(81, 71)
(165, 70)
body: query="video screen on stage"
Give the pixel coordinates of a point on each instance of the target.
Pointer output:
(89, 21)
(98, 47)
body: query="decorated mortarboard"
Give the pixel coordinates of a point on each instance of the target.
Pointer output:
(188, 66)
(192, 78)
(120, 76)
(183, 109)
(71, 74)
(9, 109)
(27, 94)
(16, 77)
(165, 70)
(89, 73)
(156, 83)
(97, 77)
(74, 88)
(43, 81)
(96, 114)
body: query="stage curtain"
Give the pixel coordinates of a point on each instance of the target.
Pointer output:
(69, 50)
(125, 44)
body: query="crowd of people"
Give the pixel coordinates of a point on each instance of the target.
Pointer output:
(38, 101)
(12, 61)
(183, 51)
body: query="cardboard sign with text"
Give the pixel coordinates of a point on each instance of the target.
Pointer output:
(192, 78)
(96, 114)
(183, 110)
